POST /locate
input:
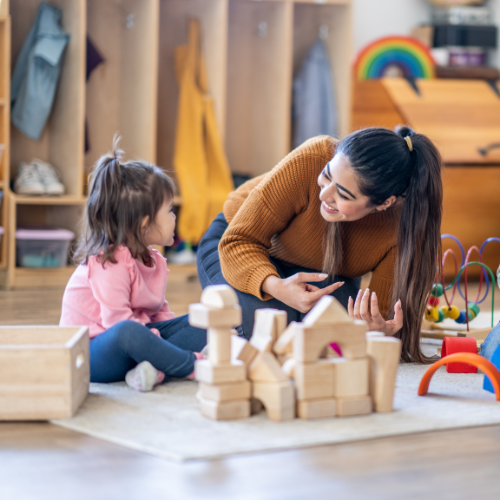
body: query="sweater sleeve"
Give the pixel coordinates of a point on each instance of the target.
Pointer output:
(238, 197)
(111, 286)
(382, 281)
(268, 209)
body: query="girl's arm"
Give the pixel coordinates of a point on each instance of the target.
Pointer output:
(111, 287)
(164, 314)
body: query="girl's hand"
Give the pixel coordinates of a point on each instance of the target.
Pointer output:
(361, 310)
(296, 292)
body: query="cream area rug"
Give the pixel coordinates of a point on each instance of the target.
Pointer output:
(168, 424)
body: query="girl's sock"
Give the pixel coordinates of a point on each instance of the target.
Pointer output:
(144, 377)
(198, 355)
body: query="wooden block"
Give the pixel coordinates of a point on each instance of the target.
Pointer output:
(44, 371)
(242, 350)
(314, 380)
(281, 319)
(229, 410)
(327, 311)
(278, 399)
(349, 407)
(384, 354)
(203, 317)
(265, 368)
(219, 374)
(226, 392)
(309, 342)
(288, 367)
(219, 297)
(219, 345)
(284, 344)
(350, 377)
(282, 358)
(265, 330)
(317, 408)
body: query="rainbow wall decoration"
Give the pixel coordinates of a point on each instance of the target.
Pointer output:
(411, 56)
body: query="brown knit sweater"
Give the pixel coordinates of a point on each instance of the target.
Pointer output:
(278, 215)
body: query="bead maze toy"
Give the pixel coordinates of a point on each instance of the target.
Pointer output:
(435, 315)
(291, 370)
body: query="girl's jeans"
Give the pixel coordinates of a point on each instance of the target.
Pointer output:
(209, 272)
(120, 348)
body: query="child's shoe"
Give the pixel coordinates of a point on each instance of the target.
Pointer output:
(144, 377)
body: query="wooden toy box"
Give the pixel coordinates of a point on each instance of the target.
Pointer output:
(44, 371)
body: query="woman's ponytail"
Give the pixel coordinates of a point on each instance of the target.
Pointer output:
(406, 165)
(419, 239)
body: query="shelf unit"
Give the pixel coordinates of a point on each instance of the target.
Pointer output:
(252, 50)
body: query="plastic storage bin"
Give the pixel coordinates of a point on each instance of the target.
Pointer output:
(42, 247)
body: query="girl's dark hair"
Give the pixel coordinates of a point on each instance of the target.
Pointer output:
(120, 196)
(386, 167)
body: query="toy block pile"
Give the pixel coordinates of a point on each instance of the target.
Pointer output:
(338, 368)
(224, 391)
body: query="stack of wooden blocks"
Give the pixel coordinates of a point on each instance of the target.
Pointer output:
(326, 384)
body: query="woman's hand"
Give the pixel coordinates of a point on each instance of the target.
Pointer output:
(371, 314)
(296, 292)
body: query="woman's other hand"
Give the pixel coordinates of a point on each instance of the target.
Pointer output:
(366, 308)
(296, 292)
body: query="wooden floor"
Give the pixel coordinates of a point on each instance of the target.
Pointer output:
(42, 461)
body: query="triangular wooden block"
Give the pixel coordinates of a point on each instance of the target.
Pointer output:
(327, 311)
(219, 297)
(266, 368)
(284, 344)
(242, 350)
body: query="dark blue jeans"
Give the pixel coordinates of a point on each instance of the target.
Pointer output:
(120, 348)
(209, 272)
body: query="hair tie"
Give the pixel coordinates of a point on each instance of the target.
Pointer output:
(408, 141)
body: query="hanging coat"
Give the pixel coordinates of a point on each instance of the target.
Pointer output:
(314, 100)
(199, 159)
(37, 71)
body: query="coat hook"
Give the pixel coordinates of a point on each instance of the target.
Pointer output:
(323, 31)
(262, 29)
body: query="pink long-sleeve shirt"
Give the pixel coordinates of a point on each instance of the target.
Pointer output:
(99, 297)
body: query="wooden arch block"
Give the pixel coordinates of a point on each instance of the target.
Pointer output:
(278, 399)
(219, 297)
(384, 354)
(266, 368)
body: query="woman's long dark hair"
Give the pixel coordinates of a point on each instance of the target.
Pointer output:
(387, 167)
(120, 196)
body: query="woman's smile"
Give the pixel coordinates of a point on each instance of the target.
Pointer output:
(329, 208)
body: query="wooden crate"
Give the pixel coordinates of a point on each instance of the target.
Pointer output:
(44, 371)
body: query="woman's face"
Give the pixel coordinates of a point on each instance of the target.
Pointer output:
(340, 197)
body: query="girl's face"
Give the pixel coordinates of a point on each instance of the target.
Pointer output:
(161, 231)
(340, 197)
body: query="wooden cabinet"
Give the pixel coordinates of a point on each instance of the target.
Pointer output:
(252, 50)
(460, 117)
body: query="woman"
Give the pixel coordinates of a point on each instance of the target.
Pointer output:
(369, 203)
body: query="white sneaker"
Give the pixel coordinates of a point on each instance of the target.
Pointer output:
(49, 178)
(28, 180)
(144, 377)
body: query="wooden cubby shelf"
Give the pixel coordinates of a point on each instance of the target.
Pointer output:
(252, 50)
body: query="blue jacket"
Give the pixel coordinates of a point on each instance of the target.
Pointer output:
(314, 100)
(37, 71)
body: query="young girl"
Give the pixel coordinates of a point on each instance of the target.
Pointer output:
(118, 290)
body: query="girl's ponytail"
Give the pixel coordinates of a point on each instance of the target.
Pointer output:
(406, 165)
(419, 239)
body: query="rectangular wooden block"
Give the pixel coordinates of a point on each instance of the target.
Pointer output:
(284, 344)
(351, 377)
(219, 345)
(205, 317)
(314, 380)
(278, 399)
(208, 373)
(226, 392)
(317, 408)
(242, 350)
(229, 410)
(266, 368)
(44, 371)
(350, 407)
